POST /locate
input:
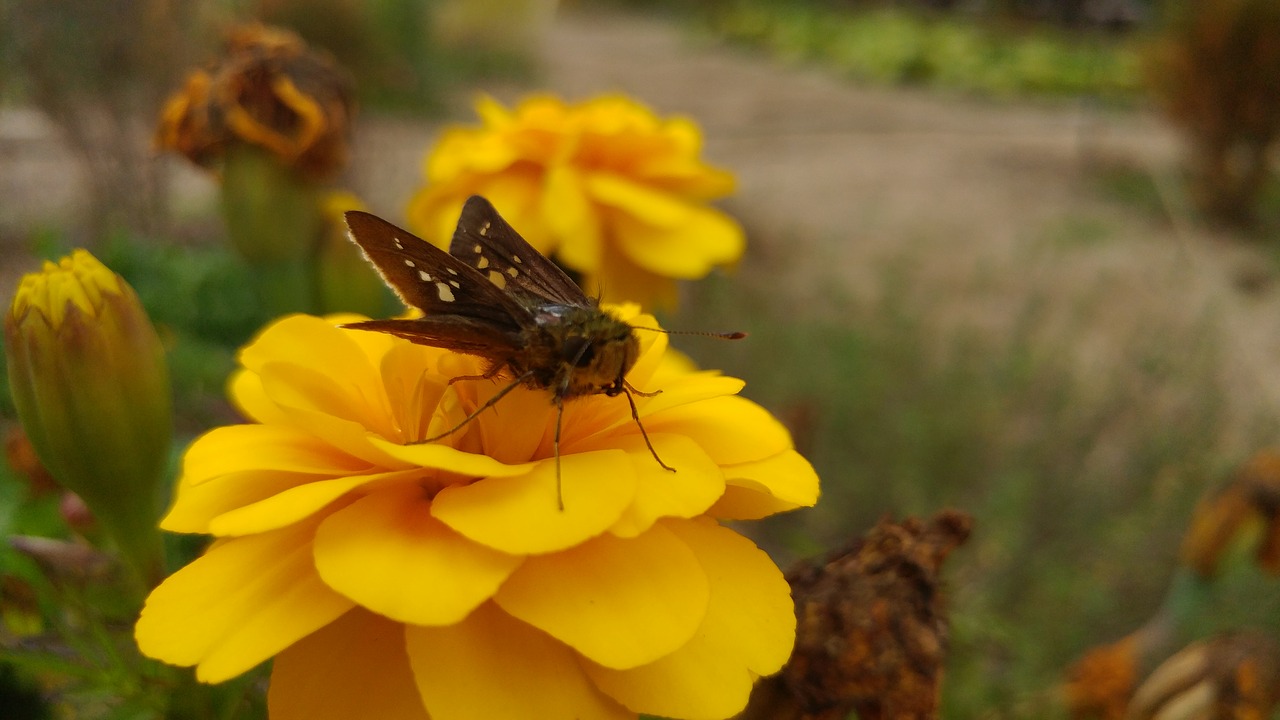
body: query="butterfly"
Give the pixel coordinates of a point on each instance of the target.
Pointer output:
(495, 297)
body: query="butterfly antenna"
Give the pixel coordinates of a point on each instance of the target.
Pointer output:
(718, 335)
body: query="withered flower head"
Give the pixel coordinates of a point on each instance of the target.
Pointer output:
(269, 90)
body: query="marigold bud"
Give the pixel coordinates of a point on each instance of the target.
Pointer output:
(91, 388)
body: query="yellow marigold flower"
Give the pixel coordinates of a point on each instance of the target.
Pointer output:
(268, 91)
(91, 387)
(391, 580)
(616, 193)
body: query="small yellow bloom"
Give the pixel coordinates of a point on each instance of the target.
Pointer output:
(91, 387)
(269, 91)
(616, 193)
(391, 580)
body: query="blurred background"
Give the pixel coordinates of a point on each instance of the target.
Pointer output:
(1017, 257)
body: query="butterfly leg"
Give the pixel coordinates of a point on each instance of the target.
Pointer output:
(556, 445)
(488, 374)
(488, 404)
(632, 389)
(635, 415)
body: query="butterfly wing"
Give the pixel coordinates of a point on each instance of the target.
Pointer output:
(451, 333)
(450, 293)
(484, 241)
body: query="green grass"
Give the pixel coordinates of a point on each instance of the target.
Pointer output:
(1080, 483)
(896, 47)
(1163, 195)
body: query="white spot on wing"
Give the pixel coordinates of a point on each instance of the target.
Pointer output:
(484, 262)
(512, 272)
(425, 277)
(452, 271)
(399, 245)
(455, 283)
(517, 259)
(478, 249)
(446, 295)
(409, 263)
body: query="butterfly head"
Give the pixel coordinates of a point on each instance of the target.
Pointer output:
(592, 351)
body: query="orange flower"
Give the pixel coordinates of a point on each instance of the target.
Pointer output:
(394, 580)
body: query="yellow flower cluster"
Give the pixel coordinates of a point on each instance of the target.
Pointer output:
(614, 192)
(441, 581)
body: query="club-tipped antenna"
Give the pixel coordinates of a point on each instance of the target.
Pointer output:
(704, 333)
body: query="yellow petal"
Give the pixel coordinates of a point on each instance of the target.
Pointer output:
(388, 554)
(413, 391)
(317, 344)
(748, 631)
(355, 667)
(493, 667)
(376, 346)
(754, 490)
(296, 503)
(689, 389)
(674, 364)
(197, 505)
(433, 212)
(653, 206)
(703, 239)
(246, 393)
(572, 218)
(243, 601)
(491, 112)
(751, 615)
(443, 457)
(653, 348)
(236, 448)
(344, 435)
(730, 429)
(620, 277)
(461, 151)
(621, 603)
(696, 483)
(515, 429)
(292, 386)
(519, 515)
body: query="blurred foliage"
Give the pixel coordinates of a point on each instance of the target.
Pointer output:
(408, 54)
(20, 697)
(386, 44)
(203, 331)
(894, 46)
(903, 415)
(96, 68)
(1216, 70)
(1166, 196)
